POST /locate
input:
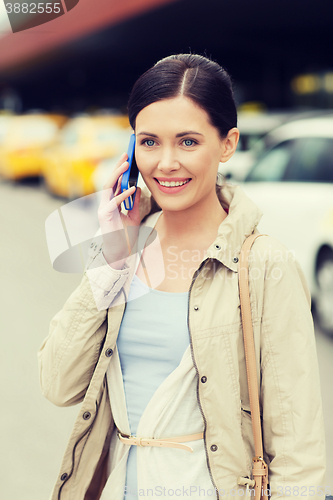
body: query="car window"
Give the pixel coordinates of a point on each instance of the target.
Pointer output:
(258, 148)
(272, 166)
(312, 161)
(247, 141)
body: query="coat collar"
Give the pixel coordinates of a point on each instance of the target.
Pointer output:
(242, 220)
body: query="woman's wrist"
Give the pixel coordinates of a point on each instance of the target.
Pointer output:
(114, 264)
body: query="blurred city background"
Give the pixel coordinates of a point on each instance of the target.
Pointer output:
(64, 87)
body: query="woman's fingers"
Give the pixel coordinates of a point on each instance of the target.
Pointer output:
(113, 183)
(117, 200)
(110, 217)
(119, 168)
(134, 213)
(109, 214)
(123, 158)
(115, 175)
(118, 188)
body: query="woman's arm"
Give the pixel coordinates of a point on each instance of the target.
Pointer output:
(69, 354)
(293, 427)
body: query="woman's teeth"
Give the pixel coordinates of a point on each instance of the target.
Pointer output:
(172, 184)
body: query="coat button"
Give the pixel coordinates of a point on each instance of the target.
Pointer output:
(203, 379)
(196, 308)
(108, 353)
(217, 247)
(86, 415)
(64, 476)
(235, 259)
(213, 447)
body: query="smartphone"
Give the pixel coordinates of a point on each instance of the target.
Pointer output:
(130, 176)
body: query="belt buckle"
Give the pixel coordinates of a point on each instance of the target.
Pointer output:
(126, 436)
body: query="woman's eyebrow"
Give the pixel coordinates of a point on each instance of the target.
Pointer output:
(147, 133)
(181, 134)
(189, 132)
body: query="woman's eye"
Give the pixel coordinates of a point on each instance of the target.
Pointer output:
(189, 142)
(149, 142)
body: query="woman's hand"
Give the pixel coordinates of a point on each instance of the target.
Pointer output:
(119, 230)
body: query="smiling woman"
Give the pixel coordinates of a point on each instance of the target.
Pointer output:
(151, 344)
(181, 147)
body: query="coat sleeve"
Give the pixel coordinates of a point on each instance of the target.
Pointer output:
(68, 356)
(293, 429)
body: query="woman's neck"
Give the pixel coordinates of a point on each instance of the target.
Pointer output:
(192, 225)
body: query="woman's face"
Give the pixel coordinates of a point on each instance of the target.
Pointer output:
(175, 142)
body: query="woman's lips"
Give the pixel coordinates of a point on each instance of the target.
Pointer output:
(173, 189)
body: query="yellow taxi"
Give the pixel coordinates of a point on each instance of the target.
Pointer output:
(84, 141)
(23, 140)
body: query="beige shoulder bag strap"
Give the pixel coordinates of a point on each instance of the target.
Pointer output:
(260, 469)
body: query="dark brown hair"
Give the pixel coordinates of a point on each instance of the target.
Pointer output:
(193, 76)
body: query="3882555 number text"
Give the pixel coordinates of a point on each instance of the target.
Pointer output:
(33, 8)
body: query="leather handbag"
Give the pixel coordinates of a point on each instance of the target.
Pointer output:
(259, 466)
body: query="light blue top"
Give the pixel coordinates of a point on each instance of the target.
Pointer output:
(152, 339)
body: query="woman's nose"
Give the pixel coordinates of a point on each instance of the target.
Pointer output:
(168, 161)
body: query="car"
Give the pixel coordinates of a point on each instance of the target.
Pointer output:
(254, 127)
(84, 141)
(23, 140)
(292, 183)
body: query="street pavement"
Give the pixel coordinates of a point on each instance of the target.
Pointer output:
(34, 432)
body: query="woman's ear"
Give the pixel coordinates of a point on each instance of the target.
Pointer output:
(229, 144)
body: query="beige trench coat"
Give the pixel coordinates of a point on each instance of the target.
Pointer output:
(74, 358)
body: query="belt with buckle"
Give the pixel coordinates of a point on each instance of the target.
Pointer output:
(174, 442)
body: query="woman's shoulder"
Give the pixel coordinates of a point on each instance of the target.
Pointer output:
(268, 249)
(271, 260)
